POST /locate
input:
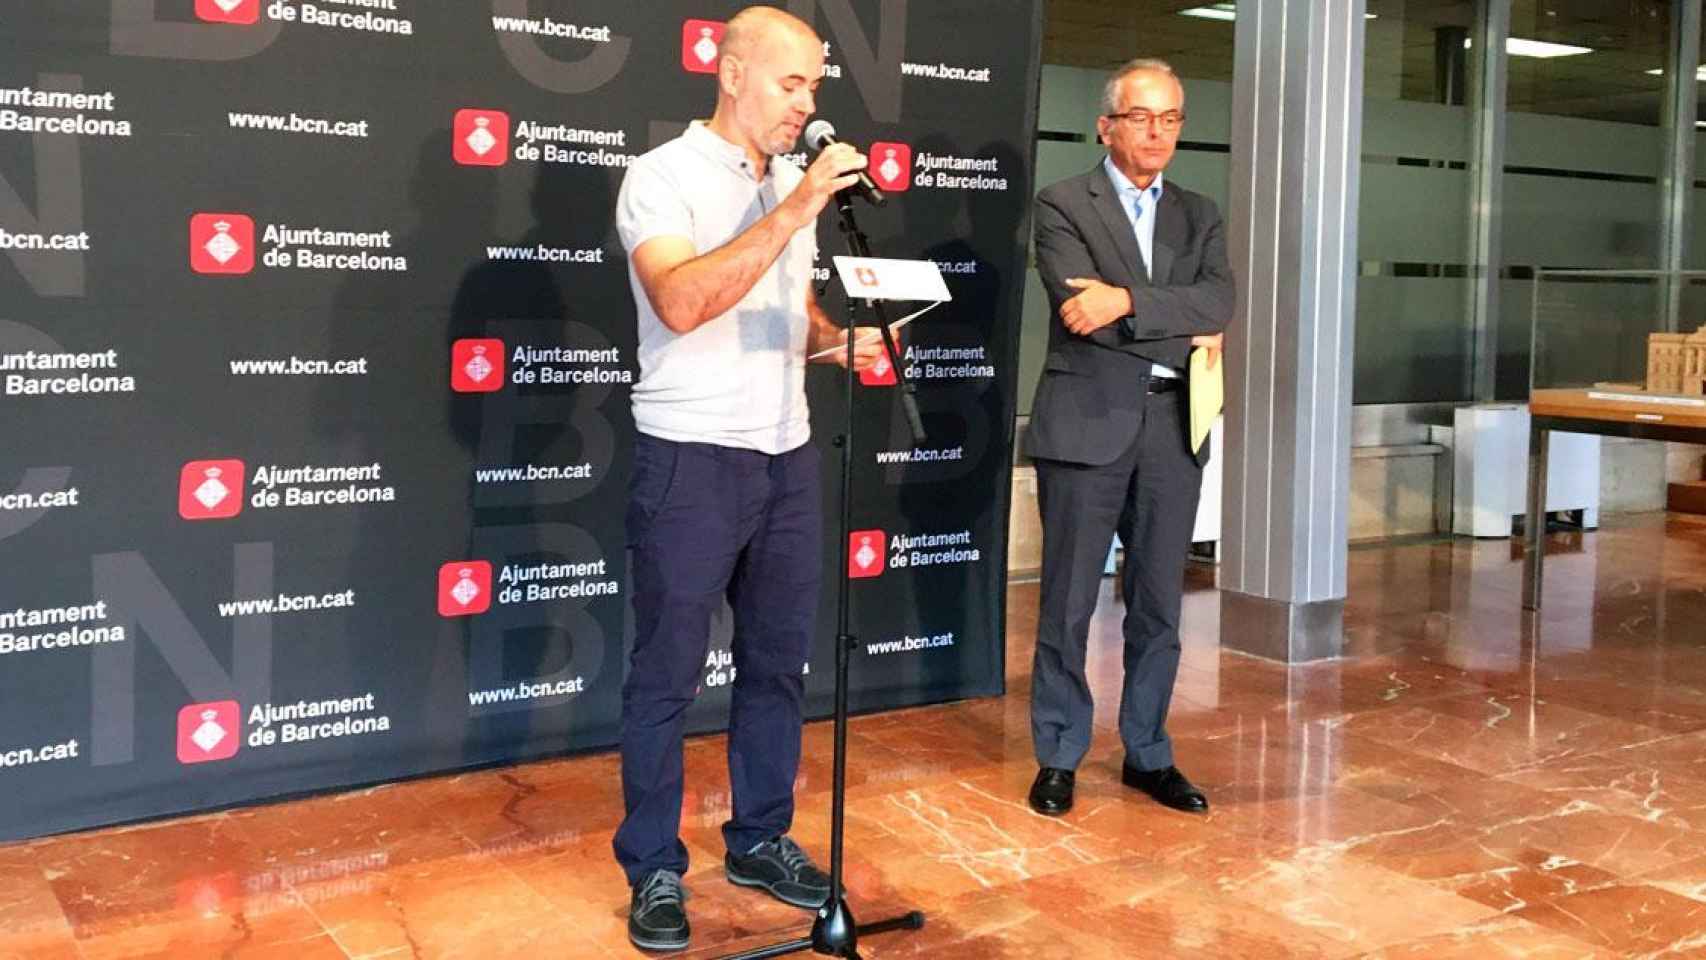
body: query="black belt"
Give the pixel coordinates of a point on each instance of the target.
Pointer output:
(1165, 384)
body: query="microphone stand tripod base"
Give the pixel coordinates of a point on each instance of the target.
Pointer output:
(834, 934)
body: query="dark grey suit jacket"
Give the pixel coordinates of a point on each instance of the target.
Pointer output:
(1089, 403)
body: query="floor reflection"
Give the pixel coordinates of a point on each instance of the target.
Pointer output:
(1472, 782)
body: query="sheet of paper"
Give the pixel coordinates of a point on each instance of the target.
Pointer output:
(869, 334)
(1208, 394)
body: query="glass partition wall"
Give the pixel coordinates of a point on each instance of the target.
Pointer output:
(1547, 145)
(1414, 338)
(1585, 136)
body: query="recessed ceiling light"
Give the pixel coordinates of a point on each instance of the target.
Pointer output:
(1218, 11)
(1699, 73)
(1518, 47)
(1229, 12)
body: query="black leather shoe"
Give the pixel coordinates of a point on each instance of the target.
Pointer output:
(780, 868)
(1168, 786)
(1051, 793)
(656, 918)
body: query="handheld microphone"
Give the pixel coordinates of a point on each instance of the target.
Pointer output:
(821, 134)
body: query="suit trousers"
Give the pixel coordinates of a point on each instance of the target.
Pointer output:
(708, 523)
(1148, 495)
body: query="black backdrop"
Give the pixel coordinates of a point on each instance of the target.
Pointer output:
(248, 249)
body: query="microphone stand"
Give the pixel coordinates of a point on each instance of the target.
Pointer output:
(834, 933)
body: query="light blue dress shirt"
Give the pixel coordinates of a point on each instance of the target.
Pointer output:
(1139, 207)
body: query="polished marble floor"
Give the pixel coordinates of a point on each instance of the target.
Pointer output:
(1473, 784)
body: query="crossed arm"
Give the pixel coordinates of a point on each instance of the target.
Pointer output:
(1090, 306)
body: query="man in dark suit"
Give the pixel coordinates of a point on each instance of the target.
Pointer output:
(1137, 275)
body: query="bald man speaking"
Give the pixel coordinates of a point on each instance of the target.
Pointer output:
(725, 501)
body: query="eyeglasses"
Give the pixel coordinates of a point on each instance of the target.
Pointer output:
(1170, 121)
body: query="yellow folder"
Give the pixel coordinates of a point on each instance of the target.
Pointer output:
(1208, 394)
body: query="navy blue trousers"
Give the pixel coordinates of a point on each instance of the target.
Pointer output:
(708, 523)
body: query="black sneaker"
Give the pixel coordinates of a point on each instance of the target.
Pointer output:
(656, 918)
(782, 869)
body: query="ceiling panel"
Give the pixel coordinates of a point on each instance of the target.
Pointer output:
(1628, 38)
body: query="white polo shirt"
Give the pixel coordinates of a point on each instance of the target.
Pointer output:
(739, 379)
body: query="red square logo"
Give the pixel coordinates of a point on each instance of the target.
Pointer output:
(210, 489)
(222, 243)
(865, 553)
(701, 41)
(477, 366)
(480, 138)
(209, 731)
(879, 374)
(464, 588)
(891, 165)
(228, 11)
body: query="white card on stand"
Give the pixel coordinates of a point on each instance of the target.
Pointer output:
(873, 278)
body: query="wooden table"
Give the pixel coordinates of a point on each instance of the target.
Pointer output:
(1608, 412)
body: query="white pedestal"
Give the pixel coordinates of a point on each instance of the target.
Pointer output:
(1490, 471)
(1207, 529)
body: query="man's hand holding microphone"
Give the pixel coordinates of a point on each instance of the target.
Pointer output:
(836, 168)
